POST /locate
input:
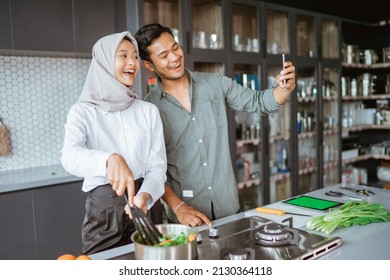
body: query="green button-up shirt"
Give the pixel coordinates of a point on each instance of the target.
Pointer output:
(200, 170)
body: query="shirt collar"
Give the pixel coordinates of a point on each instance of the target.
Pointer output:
(160, 87)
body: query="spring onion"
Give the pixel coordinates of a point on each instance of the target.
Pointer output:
(350, 214)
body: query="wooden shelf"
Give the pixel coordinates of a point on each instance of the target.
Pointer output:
(241, 143)
(330, 165)
(280, 176)
(285, 137)
(249, 183)
(368, 97)
(365, 157)
(329, 98)
(331, 131)
(305, 135)
(308, 170)
(365, 127)
(365, 66)
(306, 99)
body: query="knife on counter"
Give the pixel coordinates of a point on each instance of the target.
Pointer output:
(279, 212)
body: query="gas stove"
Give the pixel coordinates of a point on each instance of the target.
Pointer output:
(257, 238)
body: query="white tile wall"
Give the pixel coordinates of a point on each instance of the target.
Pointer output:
(35, 96)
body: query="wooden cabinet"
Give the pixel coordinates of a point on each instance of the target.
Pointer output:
(299, 134)
(365, 122)
(61, 25)
(94, 19)
(276, 156)
(42, 25)
(42, 223)
(59, 214)
(17, 226)
(5, 26)
(365, 91)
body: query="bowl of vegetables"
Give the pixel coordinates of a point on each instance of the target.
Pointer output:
(178, 243)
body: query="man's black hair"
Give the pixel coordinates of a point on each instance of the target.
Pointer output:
(146, 35)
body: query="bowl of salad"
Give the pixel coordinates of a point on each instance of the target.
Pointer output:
(178, 243)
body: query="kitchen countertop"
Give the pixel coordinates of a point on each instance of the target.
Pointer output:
(34, 177)
(368, 242)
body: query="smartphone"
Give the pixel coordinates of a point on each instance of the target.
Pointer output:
(283, 61)
(313, 203)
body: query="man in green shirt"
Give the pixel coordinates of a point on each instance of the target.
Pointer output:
(201, 185)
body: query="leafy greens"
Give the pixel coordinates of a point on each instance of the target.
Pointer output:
(350, 214)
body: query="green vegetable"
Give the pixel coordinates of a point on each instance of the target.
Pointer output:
(350, 214)
(168, 240)
(171, 240)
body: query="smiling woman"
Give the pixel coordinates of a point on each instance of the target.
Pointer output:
(115, 141)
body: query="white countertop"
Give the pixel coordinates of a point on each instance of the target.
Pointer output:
(368, 242)
(34, 177)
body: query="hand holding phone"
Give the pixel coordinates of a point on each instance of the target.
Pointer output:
(283, 61)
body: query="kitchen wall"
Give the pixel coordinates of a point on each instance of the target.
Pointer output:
(35, 96)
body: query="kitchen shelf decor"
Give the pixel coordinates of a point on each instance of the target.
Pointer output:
(365, 93)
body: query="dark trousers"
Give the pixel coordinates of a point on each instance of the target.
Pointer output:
(106, 225)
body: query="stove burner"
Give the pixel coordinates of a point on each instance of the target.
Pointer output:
(238, 254)
(273, 231)
(273, 234)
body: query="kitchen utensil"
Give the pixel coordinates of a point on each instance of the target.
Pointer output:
(5, 140)
(342, 195)
(363, 192)
(186, 251)
(144, 226)
(279, 212)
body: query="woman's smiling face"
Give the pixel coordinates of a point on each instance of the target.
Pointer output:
(126, 63)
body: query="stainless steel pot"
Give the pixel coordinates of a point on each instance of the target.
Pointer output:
(180, 252)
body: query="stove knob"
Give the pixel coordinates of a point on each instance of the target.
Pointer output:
(213, 233)
(199, 238)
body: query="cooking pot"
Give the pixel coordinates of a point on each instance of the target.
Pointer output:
(179, 252)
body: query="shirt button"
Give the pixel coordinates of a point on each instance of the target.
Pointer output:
(200, 140)
(205, 164)
(193, 119)
(209, 187)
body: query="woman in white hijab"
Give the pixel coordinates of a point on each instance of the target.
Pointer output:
(115, 141)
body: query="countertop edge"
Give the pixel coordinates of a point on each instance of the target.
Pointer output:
(38, 184)
(348, 235)
(36, 177)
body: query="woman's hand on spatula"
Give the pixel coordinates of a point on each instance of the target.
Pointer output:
(141, 201)
(120, 176)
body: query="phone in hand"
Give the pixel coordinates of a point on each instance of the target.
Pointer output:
(283, 61)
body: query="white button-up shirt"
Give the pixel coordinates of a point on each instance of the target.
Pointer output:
(136, 133)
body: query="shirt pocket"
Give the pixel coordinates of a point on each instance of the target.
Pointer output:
(213, 113)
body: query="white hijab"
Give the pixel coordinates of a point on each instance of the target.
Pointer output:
(101, 88)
